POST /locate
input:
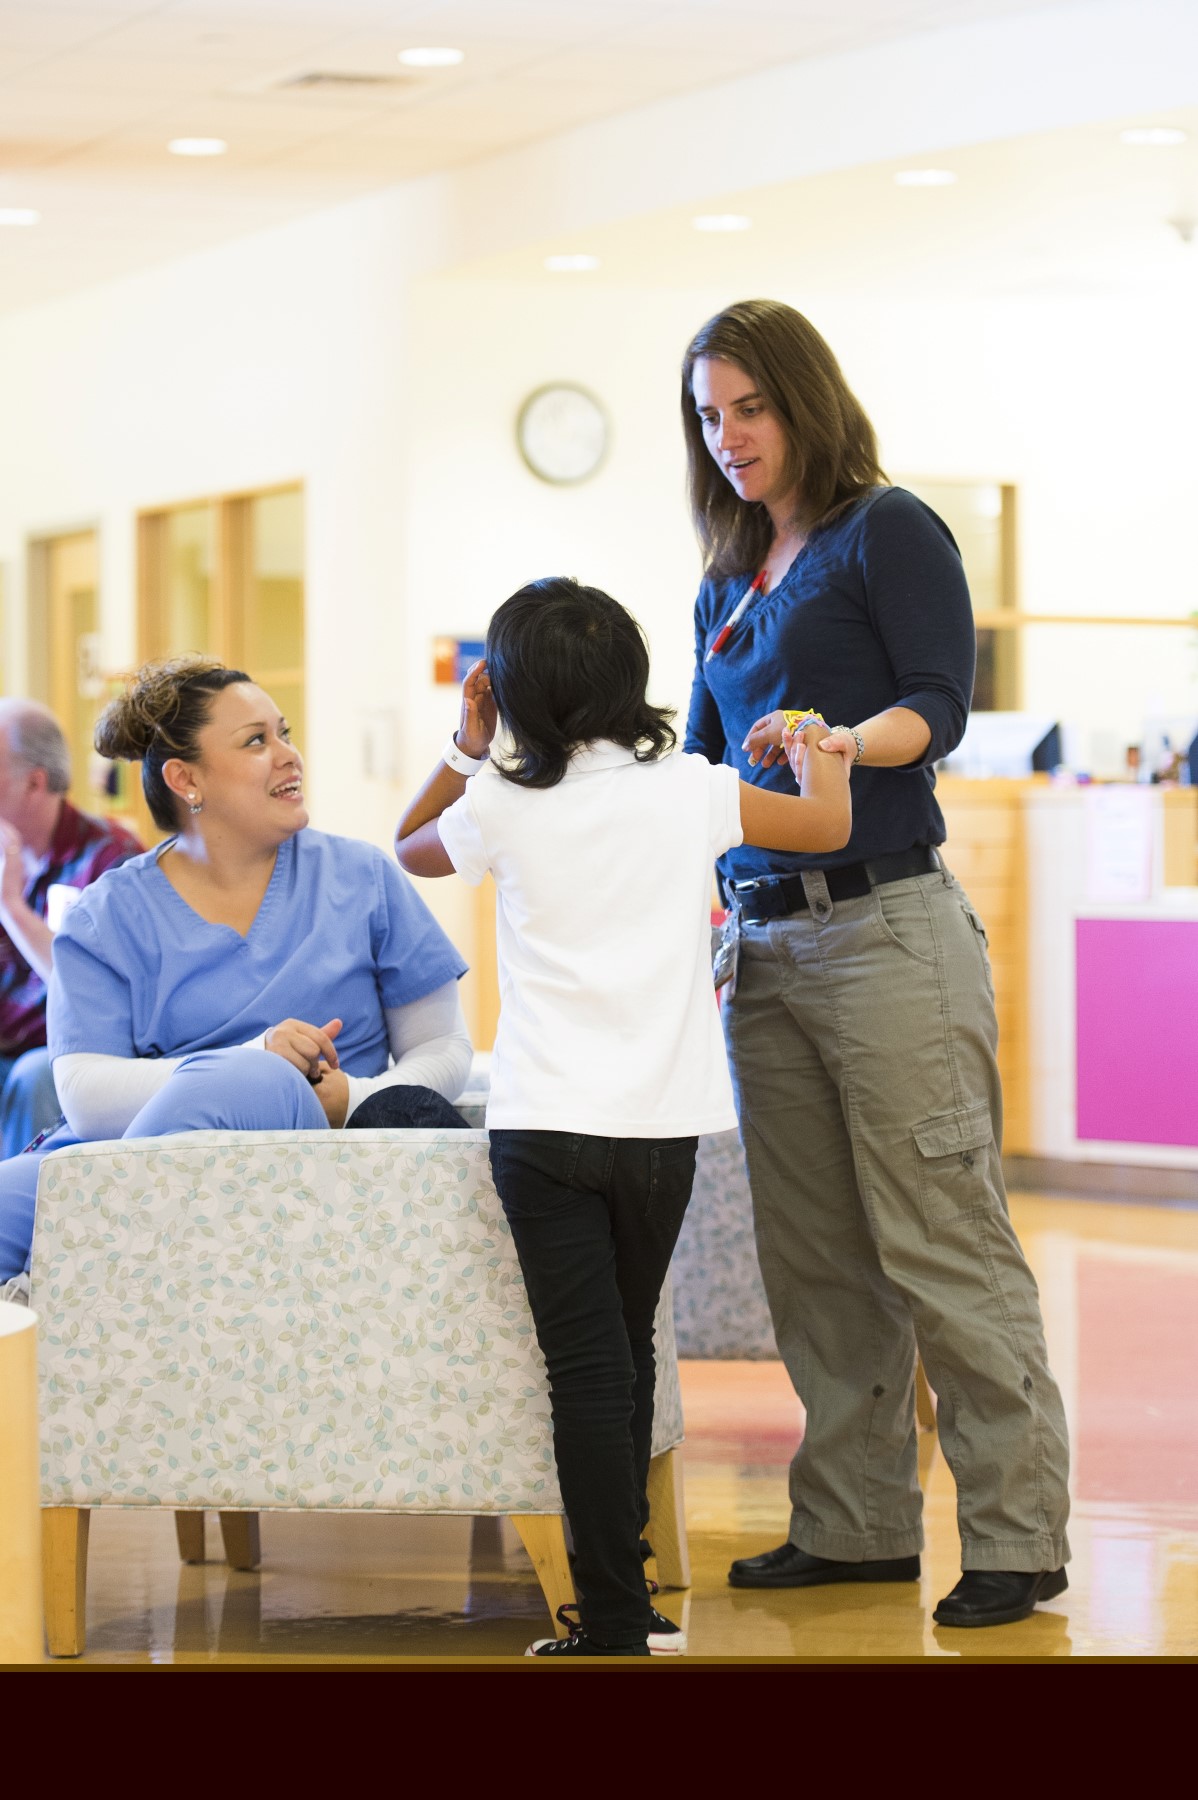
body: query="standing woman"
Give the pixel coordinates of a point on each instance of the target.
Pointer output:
(862, 1031)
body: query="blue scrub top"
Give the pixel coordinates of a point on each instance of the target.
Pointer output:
(340, 934)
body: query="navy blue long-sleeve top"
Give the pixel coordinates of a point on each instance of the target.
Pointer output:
(874, 612)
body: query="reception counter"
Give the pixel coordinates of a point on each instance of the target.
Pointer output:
(1137, 1027)
(1088, 983)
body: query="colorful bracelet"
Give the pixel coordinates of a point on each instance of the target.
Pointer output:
(795, 719)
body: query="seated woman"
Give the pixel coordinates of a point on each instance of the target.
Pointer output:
(248, 974)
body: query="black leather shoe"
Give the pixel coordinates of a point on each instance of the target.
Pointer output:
(998, 1596)
(788, 1566)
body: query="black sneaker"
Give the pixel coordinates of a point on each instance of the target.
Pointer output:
(579, 1644)
(665, 1638)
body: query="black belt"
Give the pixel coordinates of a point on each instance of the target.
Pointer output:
(773, 896)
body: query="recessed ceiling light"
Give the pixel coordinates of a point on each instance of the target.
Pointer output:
(18, 215)
(197, 146)
(925, 178)
(571, 265)
(432, 56)
(721, 222)
(1153, 134)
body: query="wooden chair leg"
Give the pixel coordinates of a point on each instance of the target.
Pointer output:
(239, 1531)
(925, 1405)
(189, 1530)
(64, 1578)
(544, 1538)
(22, 1603)
(667, 1520)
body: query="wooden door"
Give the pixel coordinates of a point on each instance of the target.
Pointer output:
(224, 577)
(66, 670)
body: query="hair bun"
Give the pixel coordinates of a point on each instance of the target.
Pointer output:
(144, 714)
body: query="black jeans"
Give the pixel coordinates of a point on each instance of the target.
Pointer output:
(595, 1221)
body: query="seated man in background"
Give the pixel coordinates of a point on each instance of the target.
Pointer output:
(45, 842)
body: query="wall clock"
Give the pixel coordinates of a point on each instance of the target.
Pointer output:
(562, 431)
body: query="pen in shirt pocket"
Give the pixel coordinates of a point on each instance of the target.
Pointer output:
(734, 617)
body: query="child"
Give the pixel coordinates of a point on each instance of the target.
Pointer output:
(608, 1061)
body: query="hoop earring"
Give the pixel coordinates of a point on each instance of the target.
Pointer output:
(194, 805)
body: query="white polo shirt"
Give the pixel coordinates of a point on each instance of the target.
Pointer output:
(608, 1021)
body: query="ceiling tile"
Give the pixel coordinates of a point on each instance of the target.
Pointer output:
(640, 70)
(379, 51)
(220, 38)
(30, 112)
(242, 120)
(547, 22)
(335, 15)
(33, 26)
(99, 69)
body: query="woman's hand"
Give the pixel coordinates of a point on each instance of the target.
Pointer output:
(479, 718)
(841, 743)
(305, 1046)
(764, 742)
(332, 1090)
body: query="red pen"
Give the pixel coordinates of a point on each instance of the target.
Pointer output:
(728, 627)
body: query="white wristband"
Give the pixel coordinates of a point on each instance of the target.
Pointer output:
(459, 761)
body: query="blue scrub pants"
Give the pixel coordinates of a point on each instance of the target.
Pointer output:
(28, 1103)
(214, 1090)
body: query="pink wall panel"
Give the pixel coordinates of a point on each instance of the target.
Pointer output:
(1137, 1030)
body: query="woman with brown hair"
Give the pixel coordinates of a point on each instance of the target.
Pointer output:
(861, 1029)
(249, 973)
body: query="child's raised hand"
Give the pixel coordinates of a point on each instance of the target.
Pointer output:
(795, 745)
(479, 718)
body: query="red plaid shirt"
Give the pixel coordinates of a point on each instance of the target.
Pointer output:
(80, 851)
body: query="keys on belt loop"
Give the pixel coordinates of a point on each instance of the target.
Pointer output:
(815, 886)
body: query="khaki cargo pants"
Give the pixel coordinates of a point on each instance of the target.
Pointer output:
(862, 1037)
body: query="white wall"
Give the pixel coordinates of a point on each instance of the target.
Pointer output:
(280, 357)
(1086, 406)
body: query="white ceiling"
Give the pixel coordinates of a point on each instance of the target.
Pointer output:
(91, 90)
(1062, 213)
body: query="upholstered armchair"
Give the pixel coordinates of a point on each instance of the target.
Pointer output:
(304, 1321)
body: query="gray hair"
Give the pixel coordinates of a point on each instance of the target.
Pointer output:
(36, 739)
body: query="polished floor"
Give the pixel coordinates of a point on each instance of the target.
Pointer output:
(1120, 1289)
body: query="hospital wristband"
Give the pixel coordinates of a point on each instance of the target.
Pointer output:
(459, 761)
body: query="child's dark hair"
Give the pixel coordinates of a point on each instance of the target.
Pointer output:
(569, 666)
